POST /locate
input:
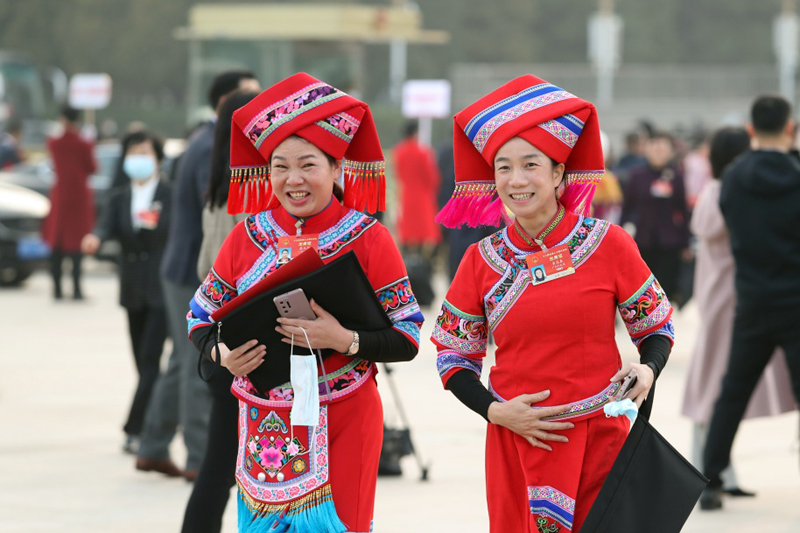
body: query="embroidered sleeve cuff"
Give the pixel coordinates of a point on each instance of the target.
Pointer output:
(459, 331)
(646, 311)
(449, 362)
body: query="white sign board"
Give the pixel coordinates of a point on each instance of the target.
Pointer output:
(90, 91)
(426, 99)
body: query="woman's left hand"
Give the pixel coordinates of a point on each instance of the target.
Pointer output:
(323, 332)
(644, 381)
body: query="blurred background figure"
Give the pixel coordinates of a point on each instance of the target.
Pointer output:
(216, 477)
(697, 168)
(655, 202)
(759, 200)
(417, 233)
(632, 157)
(72, 213)
(716, 299)
(181, 398)
(138, 217)
(607, 199)
(11, 152)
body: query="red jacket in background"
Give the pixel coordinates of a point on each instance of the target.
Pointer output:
(418, 179)
(72, 204)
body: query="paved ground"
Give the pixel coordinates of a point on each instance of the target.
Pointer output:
(66, 377)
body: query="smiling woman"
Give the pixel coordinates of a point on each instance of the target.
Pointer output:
(294, 148)
(547, 288)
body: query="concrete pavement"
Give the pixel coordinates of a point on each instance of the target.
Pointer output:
(67, 376)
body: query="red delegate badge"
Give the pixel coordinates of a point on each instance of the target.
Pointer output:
(550, 264)
(292, 246)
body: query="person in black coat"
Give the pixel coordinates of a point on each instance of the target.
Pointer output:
(138, 217)
(655, 202)
(760, 201)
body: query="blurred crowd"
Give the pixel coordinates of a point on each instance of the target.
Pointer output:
(661, 186)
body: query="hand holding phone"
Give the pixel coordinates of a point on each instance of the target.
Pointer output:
(294, 304)
(627, 384)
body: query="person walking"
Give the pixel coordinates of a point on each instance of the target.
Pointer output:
(533, 149)
(72, 212)
(138, 217)
(655, 202)
(759, 200)
(716, 297)
(319, 151)
(181, 398)
(216, 477)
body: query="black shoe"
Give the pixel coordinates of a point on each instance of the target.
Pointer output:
(737, 492)
(711, 499)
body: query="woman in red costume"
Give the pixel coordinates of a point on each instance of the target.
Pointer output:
(289, 148)
(547, 287)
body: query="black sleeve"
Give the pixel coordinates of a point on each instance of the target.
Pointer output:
(385, 346)
(106, 227)
(654, 352)
(203, 339)
(467, 387)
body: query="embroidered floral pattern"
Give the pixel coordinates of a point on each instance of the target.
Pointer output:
(550, 503)
(343, 126)
(646, 309)
(542, 525)
(271, 453)
(397, 300)
(269, 120)
(459, 331)
(340, 382)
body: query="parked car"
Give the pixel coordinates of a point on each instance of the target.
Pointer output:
(21, 247)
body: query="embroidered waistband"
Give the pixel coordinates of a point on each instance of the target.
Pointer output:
(581, 409)
(340, 382)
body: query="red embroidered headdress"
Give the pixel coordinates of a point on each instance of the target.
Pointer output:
(332, 120)
(558, 123)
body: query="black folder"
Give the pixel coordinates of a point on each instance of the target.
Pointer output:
(340, 287)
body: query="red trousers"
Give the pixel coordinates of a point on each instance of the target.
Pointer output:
(531, 490)
(355, 433)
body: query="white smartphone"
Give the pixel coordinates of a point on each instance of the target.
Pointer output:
(294, 304)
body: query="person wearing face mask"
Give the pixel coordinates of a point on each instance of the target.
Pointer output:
(306, 159)
(138, 217)
(530, 152)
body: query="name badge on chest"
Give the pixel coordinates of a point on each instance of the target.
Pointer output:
(292, 246)
(549, 265)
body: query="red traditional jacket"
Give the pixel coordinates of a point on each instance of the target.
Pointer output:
(249, 254)
(559, 335)
(72, 202)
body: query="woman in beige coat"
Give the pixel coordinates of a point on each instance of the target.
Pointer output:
(716, 300)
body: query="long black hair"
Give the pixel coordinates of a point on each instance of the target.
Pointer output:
(220, 173)
(726, 145)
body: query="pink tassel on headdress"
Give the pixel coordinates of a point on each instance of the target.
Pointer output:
(473, 204)
(579, 190)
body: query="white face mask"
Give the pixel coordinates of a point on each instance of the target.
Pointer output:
(139, 167)
(303, 375)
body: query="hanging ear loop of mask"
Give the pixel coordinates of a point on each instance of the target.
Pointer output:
(305, 385)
